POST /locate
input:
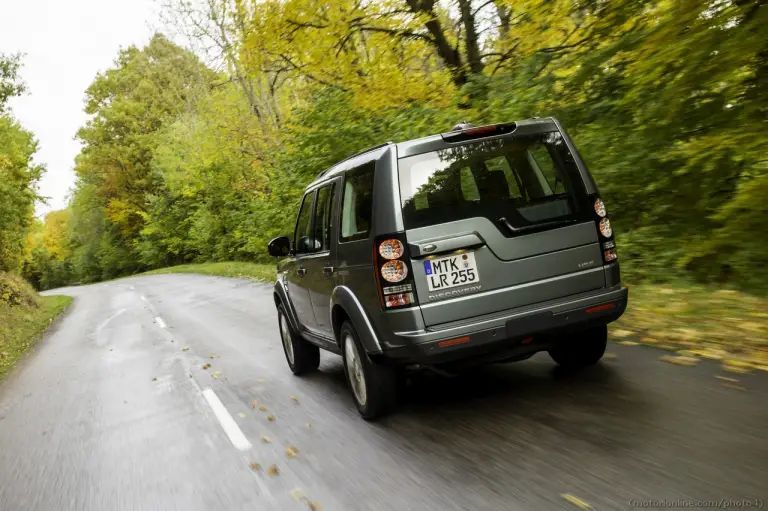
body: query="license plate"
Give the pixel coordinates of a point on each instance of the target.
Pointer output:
(451, 271)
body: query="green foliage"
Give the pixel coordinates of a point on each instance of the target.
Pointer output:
(18, 181)
(10, 85)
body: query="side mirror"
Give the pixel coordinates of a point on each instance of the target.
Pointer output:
(279, 247)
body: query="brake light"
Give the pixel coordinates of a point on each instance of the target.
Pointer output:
(394, 277)
(603, 225)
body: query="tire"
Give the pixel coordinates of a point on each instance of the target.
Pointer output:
(373, 386)
(584, 349)
(302, 356)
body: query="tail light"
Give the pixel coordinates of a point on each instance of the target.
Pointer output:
(607, 241)
(391, 260)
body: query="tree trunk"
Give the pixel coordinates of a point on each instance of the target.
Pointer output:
(448, 54)
(472, 43)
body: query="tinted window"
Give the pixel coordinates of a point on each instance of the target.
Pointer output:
(323, 212)
(526, 180)
(357, 203)
(302, 239)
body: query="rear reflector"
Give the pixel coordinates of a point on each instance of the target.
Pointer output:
(451, 342)
(601, 308)
(398, 299)
(527, 340)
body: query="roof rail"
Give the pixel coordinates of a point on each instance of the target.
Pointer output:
(352, 156)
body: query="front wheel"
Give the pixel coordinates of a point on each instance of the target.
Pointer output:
(583, 349)
(374, 386)
(301, 355)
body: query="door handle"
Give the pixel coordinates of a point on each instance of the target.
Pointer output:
(328, 271)
(301, 272)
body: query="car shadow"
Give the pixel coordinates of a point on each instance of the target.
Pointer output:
(534, 400)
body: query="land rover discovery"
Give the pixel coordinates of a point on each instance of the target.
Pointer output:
(478, 245)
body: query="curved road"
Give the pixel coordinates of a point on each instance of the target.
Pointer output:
(112, 412)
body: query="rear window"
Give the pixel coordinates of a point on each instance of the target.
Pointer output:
(522, 182)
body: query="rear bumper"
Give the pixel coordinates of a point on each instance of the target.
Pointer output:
(514, 335)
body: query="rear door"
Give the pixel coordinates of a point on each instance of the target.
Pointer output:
(296, 275)
(497, 224)
(320, 271)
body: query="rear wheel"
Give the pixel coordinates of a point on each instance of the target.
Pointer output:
(374, 386)
(583, 349)
(301, 355)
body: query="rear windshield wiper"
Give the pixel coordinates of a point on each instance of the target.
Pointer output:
(543, 225)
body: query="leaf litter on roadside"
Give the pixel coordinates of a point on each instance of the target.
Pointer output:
(266, 439)
(679, 360)
(206, 365)
(185, 348)
(262, 408)
(273, 471)
(241, 415)
(270, 417)
(254, 404)
(291, 451)
(256, 467)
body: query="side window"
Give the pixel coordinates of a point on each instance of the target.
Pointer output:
(302, 239)
(323, 213)
(357, 203)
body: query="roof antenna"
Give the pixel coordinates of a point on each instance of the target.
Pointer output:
(463, 125)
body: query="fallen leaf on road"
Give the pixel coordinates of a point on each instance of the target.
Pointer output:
(262, 408)
(270, 417)
(265, 439)
(297, 494)
(735, 369)
(650, 340)
(206, 365)
(725, 378)
(681, 361)
(241, 414)
(309, 425)
(217, 372)
(621, 333)
(215, 377)
(291, 452)
(185, 348)
(254, 403)
(154, 379)
(733, 386)
(294, 398)
(313, 506)
(609, 356)
(212, 357)
(260, 380)
(576, 501)
(272, 471)
(255, 467)
(628, 343)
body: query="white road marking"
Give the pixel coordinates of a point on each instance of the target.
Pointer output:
(231, 428)
(160, 322)
(106, 321)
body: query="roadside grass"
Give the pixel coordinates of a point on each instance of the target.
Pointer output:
(701, 321)
(698, 321)
(21, 326)
(254, 271)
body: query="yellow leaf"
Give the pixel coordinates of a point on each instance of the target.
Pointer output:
(576, 501)
(270, 417)
(273, 471)
(206, 365)
(628, 343)
(254, 404)
(241, 414)
(266, 439)
(621, 333)
(733, 386)
(262, 408)
(725, 378)
(291, 452)
(255, 467)
(294, 398)
(681, 361)
(609, 356)
(297, 494)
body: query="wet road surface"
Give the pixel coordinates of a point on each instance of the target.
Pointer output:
(111, 412)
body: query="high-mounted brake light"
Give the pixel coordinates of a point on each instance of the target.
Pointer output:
(394, 277)
(479, 132)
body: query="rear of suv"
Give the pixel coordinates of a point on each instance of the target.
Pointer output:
(480, 245)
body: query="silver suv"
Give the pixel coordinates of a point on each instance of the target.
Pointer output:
(479, 245)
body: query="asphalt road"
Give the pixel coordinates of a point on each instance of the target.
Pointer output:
(111, 412)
